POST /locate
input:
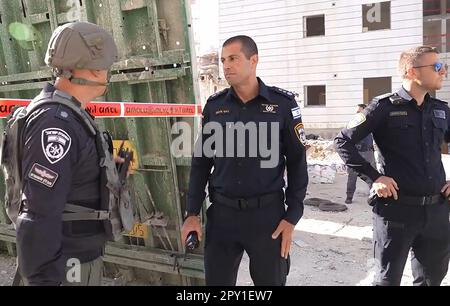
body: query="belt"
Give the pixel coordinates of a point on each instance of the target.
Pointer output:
(419, 201)
(248, 203)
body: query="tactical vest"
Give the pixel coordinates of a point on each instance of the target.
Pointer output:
(116, 211)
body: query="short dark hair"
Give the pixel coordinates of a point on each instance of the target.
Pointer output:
(249, 47)
(363, 106)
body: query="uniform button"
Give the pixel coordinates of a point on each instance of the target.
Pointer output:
(430, 177)
(424, 128)
(427, 144)
(244, 108)
(428, 161)
(239, 183)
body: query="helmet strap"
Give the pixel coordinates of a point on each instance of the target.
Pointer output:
(85, 82)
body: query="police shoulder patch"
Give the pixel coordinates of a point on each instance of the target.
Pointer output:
(55, 144)
(357, 120)
(218, 94)
(43, 175)
(299, 130)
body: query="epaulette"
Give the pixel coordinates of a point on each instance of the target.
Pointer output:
(218, 94)
(437, 100)
(394, 98)
(381, 97)
(397, 100)
(63, 113)
(283, 92)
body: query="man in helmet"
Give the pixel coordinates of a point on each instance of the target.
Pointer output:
(60, 164)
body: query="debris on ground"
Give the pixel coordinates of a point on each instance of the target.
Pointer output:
(323, 162)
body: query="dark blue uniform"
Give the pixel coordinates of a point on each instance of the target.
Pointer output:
(409, 138)
(60, 165)
(248, 199)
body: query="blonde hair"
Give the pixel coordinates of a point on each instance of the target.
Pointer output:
(411, 57)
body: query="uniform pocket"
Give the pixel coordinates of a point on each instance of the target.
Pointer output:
(439, 128)
(402, 131)
(389, 230)
(398, 122)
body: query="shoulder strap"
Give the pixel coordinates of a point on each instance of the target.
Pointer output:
(218, 94)
(59, 97)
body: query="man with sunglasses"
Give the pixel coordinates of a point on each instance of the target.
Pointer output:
(61, 164)
(410, 193)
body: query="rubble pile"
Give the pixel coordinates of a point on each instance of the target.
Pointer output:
(323, 162)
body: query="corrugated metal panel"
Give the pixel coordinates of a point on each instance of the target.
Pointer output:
(155, 66)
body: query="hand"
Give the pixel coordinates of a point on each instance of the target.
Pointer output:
(386, 187)
(120, 160)
(445, 191)
(285, 229)
(191, 224)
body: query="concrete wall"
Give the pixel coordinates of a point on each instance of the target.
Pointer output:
(340, 60)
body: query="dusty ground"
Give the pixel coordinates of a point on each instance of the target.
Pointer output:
(333, 249)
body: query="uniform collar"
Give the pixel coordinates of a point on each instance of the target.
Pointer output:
(50, 87)
(405, 95)
(263, 91)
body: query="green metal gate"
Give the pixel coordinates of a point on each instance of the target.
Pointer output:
(155, 66)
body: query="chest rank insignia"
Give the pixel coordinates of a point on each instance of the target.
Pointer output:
(269, 108)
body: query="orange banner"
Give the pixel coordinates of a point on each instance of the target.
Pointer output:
(7, 105)
(120, 109)
(160, 110)
(104, 110)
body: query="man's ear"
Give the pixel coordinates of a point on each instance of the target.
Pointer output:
(411, 73)
(254, 59)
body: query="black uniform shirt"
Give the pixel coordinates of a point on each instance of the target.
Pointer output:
(409, 138)
(60, 165)
(243, 176)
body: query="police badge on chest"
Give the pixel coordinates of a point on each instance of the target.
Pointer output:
(269, 108)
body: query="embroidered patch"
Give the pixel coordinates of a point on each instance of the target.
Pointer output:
(296, 113)
(300, 132)
(269, 108)
(440, 114)
(55, 144)
(398, 114)
(359, 119)
(43, 175)
(223, 111)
